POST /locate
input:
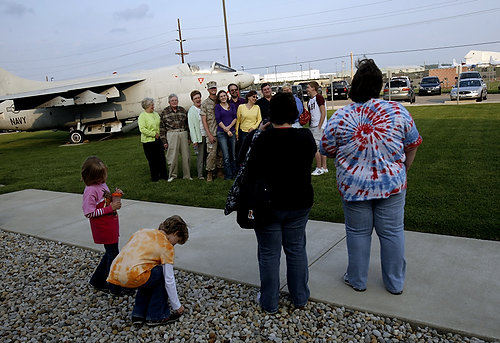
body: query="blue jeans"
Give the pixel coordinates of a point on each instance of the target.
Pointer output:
(228, 145)
(242, 135)
(287, 229)
(387, 216)
(151, 300)
(100, 275)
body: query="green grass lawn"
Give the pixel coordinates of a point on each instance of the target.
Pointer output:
(452, 187)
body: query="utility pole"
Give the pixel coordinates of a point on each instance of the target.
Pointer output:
(389, 76)
(180, 40)
(227, 38)
(352, 67)
(459, 70)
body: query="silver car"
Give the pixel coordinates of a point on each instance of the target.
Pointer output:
(401, 89)
(470, 89)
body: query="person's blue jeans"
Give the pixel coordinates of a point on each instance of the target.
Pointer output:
(242, 135)
(100, 275)
(287, 229)
(151, 300)
(387, 216)
(228, 145)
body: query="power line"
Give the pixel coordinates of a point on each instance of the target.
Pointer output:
(311, 61)
(376, 16)
(344, 21)
(351, 33)
(105, 59)
(289, 17)
(377, 53)
(288, 41)
(88, 52)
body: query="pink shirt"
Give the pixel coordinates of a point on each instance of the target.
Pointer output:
(104, 224)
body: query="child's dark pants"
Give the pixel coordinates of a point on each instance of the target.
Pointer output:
(98, 279)
(151, 300)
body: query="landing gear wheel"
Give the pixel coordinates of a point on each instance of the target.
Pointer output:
(76, 137)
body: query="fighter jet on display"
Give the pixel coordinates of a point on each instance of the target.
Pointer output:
(106, 104)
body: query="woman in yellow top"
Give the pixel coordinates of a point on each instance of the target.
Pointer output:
(248, 118)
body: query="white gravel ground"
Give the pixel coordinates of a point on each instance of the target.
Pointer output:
(45, 297)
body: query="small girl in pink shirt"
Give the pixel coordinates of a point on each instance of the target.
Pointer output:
(100, 207)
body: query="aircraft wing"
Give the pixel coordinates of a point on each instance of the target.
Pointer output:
(87, 92)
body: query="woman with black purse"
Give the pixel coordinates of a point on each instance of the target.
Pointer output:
(280, 159)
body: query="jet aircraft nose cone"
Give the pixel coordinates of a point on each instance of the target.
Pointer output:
(244, 79)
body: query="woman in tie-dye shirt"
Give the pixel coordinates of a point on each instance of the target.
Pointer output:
(374, 143)
(146, 263)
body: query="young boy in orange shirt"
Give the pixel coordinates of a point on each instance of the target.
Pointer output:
(146, 263)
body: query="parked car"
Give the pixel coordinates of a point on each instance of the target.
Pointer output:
(328, 92)
(430, 85)
(305, 96)
(297, 91)
(470, 89)
(244, 93)
(401, 89)
(276, 89)
(470, 75)
(340, 90)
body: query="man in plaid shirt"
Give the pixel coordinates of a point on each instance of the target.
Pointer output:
(174, 134)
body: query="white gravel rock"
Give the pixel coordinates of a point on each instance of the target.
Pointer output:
(45, 297)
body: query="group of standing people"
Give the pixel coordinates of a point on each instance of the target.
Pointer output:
(216, 127)
(373, 142)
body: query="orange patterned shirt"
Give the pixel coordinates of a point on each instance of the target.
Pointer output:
(146, 249)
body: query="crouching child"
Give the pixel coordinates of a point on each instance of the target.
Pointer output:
(146, 263)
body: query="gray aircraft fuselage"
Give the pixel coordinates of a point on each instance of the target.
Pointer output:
(157, 84)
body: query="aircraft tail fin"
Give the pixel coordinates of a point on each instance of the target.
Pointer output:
(10, 83)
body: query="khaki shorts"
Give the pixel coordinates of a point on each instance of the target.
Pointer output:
(317, 134)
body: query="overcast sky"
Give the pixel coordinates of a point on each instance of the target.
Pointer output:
(67, 38)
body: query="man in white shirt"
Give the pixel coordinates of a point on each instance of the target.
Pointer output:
(317, 108)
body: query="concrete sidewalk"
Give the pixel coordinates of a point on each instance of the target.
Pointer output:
(452, 283)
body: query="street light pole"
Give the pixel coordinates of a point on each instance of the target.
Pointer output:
(227, 38)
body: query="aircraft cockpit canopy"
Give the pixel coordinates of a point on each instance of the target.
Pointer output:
(207, 67)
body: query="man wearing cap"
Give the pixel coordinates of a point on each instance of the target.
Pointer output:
(208, 118)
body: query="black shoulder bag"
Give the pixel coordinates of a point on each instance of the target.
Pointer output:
(249, 196)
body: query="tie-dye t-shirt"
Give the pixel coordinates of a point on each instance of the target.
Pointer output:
(146, 249)
(368, 141)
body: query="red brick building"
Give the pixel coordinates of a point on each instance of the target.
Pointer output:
(447, 75)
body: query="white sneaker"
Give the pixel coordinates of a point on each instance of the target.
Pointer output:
(317, 171)
(325, 170)
(170, 179)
